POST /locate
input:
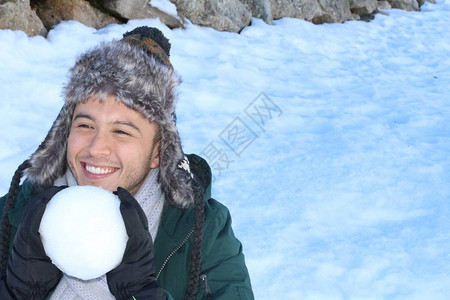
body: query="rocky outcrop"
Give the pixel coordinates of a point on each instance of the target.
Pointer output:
(409, 5)
(18, 15)
(260, 9)
(52, 12)
(316, 11)
(231, 15)
(384, 4)
(223, 15)
(363, 7)
(137, 9)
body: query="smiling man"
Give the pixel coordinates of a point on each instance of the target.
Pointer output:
(117, 130)
(102, 137)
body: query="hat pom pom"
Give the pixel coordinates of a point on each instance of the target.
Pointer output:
(152, 33)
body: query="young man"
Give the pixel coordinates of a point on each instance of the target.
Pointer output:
(117, 130)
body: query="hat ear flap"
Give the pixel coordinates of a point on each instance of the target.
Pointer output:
(48, 162)
(174, 172)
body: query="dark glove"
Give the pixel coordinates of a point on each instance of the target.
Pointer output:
(134, 277)
(30, 273)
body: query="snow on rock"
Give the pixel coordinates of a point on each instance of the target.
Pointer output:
(83, 232)
(165, 6)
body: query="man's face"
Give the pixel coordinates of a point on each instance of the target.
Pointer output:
(111, 145)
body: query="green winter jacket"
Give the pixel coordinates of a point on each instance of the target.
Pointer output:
(224, 274)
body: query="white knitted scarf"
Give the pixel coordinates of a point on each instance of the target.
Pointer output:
(151, 200)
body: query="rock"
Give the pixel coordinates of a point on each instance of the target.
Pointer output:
(231, 15)
(260, 9)
(363, 7)
(383, 5)
(316, 11)
(52, 12)
(17, 15)
(409, 5)
(137, 9)
(355, 17)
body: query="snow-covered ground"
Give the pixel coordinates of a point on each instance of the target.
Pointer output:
(330, 143)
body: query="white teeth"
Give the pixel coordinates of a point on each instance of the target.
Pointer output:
(97, 170)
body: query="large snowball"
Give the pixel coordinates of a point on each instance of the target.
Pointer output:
(83, 232)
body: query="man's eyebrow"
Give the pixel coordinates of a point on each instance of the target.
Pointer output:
(126, 123)
(82, 115)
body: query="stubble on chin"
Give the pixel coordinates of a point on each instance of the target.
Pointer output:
(133, 185)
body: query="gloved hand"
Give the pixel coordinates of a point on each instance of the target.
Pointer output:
(134, 277)
(30, 273)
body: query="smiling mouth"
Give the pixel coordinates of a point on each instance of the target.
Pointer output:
(98, 170)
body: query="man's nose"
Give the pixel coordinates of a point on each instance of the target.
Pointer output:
(100, 144)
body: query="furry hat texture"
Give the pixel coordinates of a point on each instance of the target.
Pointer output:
(137, 71)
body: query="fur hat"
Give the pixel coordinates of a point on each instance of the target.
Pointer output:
(137, 71)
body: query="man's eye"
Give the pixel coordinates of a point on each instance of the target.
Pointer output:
(121, 132)
(83, 126)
